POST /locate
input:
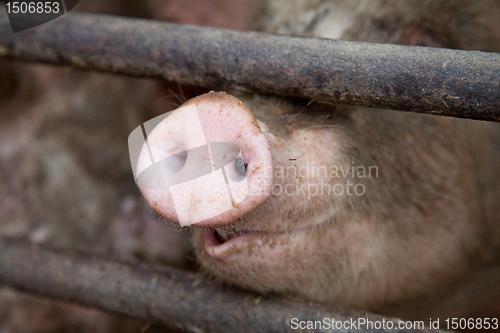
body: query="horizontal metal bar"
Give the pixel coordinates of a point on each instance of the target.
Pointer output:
(181, 300)
(419, 79)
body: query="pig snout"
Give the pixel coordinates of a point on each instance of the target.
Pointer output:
(207, 163)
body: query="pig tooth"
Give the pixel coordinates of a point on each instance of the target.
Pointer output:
(231, 235)
(223, 236)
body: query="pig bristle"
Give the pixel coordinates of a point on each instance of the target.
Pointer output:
(180, 97)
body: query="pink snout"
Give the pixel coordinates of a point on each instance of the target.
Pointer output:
(207, 163)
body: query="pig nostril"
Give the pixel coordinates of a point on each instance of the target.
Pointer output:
(175, 163)
(237, 170)
(240, 167)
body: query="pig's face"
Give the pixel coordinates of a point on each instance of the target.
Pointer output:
(365, 207)
(373, 209)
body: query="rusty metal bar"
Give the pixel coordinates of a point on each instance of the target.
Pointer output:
(438, 81)
(180, 300)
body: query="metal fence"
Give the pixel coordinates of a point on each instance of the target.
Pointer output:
(438, 81)
(418, 79)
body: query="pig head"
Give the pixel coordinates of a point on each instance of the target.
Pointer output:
(374, 209)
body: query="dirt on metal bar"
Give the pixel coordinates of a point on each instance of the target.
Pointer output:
(180, 300)
(419, 79)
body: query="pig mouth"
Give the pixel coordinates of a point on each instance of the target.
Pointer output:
(217, 237)
(221, 244)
